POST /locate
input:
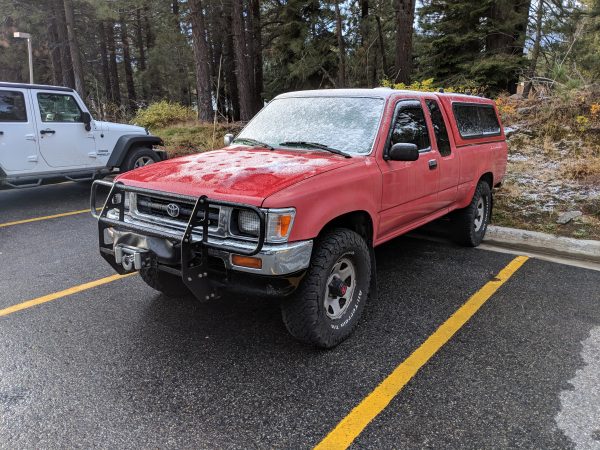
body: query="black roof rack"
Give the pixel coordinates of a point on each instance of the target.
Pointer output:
(35, 86)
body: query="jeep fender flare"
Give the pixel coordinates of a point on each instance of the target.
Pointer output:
(129, 141)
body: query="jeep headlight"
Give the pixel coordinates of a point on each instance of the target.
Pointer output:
(278, 224)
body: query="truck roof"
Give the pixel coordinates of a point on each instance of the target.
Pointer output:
(4, 84)
(380, 92)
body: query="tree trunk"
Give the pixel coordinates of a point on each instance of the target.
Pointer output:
(229, 74)
(341, 46)
(74, 48)
(127, 63)
(112, 64)
(535, 52)
(202, 58)
(381, 48)
(244, 81)
(364, 42)
(257, 54)
(405, 16)
(54, 46)
(104, 59)
(63, 45)
(139, 40)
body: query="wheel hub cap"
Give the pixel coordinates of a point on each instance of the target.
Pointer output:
(479, 214)
(340, 288)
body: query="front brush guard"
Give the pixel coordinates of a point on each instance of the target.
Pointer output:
(194, 253)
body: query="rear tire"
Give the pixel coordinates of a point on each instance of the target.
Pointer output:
(139, 157)
(327, 306)
(470, 223)
(170, 285)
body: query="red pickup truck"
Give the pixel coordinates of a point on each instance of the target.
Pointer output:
(294, 205)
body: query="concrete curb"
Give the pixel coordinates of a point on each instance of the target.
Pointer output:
(543, 243)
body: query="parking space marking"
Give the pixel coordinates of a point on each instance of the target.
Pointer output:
(61, 294)
(37, 219)
(371, 406)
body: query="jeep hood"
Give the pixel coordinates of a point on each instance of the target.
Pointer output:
(237, 174)
(119, 127)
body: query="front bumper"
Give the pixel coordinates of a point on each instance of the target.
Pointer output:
(205, 261)
(277, 259)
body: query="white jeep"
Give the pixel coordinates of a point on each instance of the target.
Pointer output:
(48, 135)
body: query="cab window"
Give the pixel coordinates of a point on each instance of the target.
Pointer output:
(12, 107)
(410, 127)
(58, 108)
(439, 127)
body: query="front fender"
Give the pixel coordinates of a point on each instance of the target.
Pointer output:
(126, 142)
(325, 197)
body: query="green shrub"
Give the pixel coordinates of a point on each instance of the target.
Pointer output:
(163, 113)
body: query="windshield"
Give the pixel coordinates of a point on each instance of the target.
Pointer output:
(348, 124)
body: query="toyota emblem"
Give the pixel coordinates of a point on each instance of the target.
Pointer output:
(173, 210)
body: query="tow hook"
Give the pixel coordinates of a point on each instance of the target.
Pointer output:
(131, 258)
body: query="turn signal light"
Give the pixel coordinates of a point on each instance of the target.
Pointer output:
(283, 225)
(246, 261)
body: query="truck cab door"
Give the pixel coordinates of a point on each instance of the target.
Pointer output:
(410, 188)
(64, 141)
(449, 163)
(18, 143)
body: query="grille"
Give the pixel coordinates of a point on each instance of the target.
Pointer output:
(157, 207)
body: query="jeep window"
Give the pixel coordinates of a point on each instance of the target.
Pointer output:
(58, 108)
(12, 107)
(410, 127)
(476, 121)
(348, 124)
(439, 127)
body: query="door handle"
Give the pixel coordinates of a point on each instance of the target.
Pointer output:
(1, 133)
(432, 164)
(47, 131)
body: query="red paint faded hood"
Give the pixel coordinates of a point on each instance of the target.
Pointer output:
(237, 174)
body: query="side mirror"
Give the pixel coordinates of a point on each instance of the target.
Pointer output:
(403, 152)
(86, 118)
(228, 139)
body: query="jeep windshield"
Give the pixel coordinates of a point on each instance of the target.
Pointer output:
(345, 124)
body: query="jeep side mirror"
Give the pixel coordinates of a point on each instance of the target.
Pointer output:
(228, 139)
(403, 152)
(86, 118)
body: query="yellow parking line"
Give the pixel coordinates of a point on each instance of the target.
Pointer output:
(61, 294)
(36, 219)
(355, 422)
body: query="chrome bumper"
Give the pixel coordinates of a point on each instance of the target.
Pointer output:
(277, 259)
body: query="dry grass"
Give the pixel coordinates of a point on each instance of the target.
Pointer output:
(194, 136)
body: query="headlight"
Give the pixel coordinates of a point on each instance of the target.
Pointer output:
(278, 224)
(248, 222)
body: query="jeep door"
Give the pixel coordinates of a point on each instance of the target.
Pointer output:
(64, 141)
(410, 188)
(18, 145)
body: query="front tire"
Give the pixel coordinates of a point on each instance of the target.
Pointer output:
(170, 285)
(470, 223)
(139, 157)
(329, 302)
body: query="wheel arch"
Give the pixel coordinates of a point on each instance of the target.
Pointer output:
(127, 142)
(359, 221)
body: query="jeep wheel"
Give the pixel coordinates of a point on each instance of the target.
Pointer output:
(168, 284)
(329, 302)
(471, 222)
(139, 157)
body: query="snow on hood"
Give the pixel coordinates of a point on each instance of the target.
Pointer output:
(235, 174)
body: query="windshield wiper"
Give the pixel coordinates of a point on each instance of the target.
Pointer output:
(254, 143)
(316, 145)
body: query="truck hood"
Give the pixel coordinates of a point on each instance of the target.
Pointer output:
(237, 174)
(119, 127)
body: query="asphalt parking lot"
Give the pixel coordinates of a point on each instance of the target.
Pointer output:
(118, 365)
